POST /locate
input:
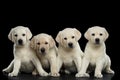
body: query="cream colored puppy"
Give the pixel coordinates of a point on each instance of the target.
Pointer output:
(95, 52)
(46, 50)
(25, 58)
(69, 51)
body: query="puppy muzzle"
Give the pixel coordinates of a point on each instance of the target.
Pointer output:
(42, 50)
(20, 42)
(70, 44)
(97, 41)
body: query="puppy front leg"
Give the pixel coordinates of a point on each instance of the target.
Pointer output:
(39, 68)
(84, 66)
(9, 68)
(98, 69)
(54, 67)
(78, 63)
(16, 68)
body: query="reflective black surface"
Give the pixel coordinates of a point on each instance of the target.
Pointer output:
(24, 76)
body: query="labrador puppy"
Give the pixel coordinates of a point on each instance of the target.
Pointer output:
(46, 50)
(25, 58)
(69, 51)
(95, 52)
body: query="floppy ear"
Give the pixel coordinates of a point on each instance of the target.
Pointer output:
(10, 35)
(86, 35)
(28, 33)
(106, 34)
(32, 43)
(52, 42)
(58, 38)
(77, 34)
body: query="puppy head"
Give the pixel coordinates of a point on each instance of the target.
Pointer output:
(19, 35)
(68, 37)
(42, 43)
(96, 34)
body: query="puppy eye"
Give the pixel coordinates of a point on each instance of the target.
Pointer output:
(46, 42)
(73, 37)
(93, 34)
(23, 34)
(15, 35)
(65, 38)
(38, 43)
(101, 34)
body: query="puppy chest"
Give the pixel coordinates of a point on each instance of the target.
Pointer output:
(67, 61)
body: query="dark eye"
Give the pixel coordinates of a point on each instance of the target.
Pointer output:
(101, 34)
(15, 35)
(46, 42)
(23, 34)
(73, 37)
(93, 34)
(65, 38)
(38, 43)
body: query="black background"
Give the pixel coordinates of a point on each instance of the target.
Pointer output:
(51, 18)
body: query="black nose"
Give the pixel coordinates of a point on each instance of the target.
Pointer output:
(70, 45)
(20, 41)
(97, 40)
(42, 50)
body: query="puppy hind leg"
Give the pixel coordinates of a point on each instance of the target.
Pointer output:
(9, 68)
(108, 69)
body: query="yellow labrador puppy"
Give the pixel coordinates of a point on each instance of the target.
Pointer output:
(95, 52)
(69, 51)
(46, 50)
(25, 58)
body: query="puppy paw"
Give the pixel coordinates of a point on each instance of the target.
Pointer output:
(44, 74)
(82, 75)
(34, 73)
(67, 72)
(12, 74)
(98, 75)
(110, 71)
(55, 74)
(6, 70)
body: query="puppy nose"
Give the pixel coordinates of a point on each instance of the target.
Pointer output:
(97, 40)
(70, 45)
(42, 50)
(20, 41)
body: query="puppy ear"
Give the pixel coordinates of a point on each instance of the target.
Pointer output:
(86, 35)
(58, 38)
(106, 34)
(52, 42)
(10, 35)
(28, 32)
(77, 34)
(32, 43)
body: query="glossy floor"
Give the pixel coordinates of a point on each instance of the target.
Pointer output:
(63, 77)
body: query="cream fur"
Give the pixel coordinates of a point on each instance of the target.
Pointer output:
(69, 51)
(95, 52)
(25, 58)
